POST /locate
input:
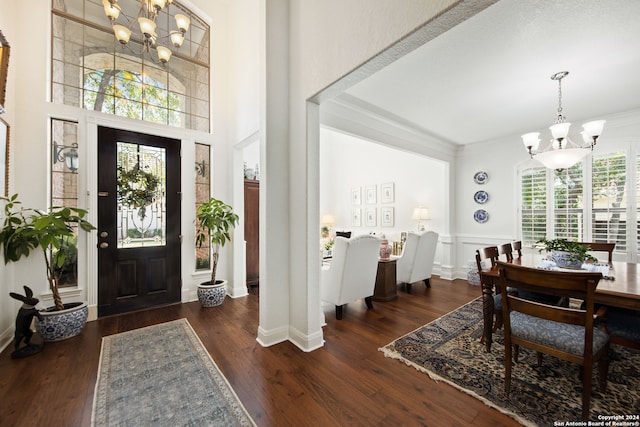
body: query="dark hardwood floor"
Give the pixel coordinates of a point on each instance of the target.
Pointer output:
(348, 382)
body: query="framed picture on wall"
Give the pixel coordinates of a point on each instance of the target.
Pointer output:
(356, 196)
(371, 217)
(356, 220)
(387, 193)
(386, 219)
(370, 194)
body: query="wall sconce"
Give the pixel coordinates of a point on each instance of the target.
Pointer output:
(421, 214)
(68, 155)
(200, 168)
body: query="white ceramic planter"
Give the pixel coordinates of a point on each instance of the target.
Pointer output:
(63, 324)
(212, 295)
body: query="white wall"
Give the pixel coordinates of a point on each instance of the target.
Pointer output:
(243, 65)
(498, 159)
(311, 46)
(348, 162)
(8, 306)
(251, 156)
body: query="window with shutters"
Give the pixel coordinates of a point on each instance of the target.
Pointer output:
(534, 204)
(609, 200)
(603, 179)
(568, 203)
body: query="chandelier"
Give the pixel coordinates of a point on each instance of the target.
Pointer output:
(146, 19)
(562, 152)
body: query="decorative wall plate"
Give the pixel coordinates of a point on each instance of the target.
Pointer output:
(481, 197)
(481, 216)
(481, 177)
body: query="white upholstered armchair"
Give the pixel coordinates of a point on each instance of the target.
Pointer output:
(352, 272)
(416, 262)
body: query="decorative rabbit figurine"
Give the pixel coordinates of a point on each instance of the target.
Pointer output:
(23, 324)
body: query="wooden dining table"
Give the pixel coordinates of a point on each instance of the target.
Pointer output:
(620, 289)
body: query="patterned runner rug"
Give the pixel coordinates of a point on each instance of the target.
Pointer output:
(162, 375)
(448, 349)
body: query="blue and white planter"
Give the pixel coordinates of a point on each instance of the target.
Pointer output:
(212, 295)
(63, 324)
(566, 260)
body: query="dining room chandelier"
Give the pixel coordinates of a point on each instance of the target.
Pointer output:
(562, 152)
(146, 19)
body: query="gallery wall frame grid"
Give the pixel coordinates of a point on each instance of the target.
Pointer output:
(365, 201)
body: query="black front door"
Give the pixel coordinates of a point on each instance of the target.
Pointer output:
(138, 221)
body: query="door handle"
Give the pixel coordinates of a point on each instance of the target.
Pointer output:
(103, 245)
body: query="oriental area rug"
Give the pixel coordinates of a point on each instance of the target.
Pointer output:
(162, 375)
(449, 350)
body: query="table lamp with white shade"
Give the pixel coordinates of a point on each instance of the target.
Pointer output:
(421, 214)
(327, 221)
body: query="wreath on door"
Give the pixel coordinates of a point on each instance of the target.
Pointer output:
(137, 188)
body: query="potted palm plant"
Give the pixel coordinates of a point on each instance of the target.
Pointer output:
(215, 221)
(25, 230)
(566, 253)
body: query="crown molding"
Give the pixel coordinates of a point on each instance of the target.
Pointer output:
(353, 116)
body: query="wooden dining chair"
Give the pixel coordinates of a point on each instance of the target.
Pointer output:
(517, 247)
(490, 253)
(493, 322)
(506, 249)
(566, 333)
(623, 326)
(602, 247)
(490, 288)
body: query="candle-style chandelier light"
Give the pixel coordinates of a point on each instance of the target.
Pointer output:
(562, 152)
(146, 20)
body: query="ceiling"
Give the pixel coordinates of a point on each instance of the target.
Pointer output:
(489, 77)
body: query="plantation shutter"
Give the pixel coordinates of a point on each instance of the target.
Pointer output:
(568, 203)
(609, 201)
(534, 205)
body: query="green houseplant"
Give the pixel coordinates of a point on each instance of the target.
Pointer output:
(215, 221)
(566, 253)
(27, 229)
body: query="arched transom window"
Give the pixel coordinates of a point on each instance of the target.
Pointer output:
(91, 70)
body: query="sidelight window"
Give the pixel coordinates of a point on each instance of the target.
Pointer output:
(203, 192)
(64, 188)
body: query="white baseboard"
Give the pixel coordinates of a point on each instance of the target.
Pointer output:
(6, 338)
(267, 338)
(304, 342)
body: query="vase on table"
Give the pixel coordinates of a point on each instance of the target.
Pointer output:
(385, 250)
